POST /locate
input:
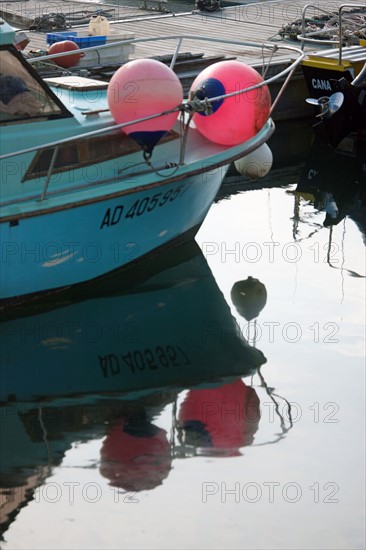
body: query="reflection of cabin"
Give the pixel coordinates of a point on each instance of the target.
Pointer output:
(14, 498)
(22, 471)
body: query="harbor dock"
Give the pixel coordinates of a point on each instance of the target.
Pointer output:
(255, 22)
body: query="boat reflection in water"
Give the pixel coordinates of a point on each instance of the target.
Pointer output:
(322, 181)
(107, 366)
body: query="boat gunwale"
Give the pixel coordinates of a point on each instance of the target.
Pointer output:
(250, 145)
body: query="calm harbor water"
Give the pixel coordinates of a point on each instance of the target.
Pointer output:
(193, 412)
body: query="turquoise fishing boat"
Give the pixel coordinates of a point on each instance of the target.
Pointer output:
(80, 196)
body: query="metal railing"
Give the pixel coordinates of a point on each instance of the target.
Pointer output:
(179, 38)
(284, 72)
(307, 37)
(186, 107)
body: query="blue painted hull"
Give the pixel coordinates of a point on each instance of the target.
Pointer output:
(77, 244)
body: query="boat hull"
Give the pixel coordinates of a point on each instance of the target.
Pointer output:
(322, 69)
(83, 242)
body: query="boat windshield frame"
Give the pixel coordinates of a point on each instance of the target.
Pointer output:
(63, 112)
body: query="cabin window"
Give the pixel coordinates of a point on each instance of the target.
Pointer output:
(77, 154)
(22, 96)
(85, 152)
(67, 157)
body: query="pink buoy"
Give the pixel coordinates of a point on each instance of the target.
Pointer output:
(234, 119)
(141, 88)
(209, 421)
(135, 456)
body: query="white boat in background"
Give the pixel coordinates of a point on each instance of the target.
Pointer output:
(79, 197)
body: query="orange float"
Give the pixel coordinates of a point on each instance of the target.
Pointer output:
(68, 60)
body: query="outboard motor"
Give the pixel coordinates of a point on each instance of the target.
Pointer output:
(344, 111)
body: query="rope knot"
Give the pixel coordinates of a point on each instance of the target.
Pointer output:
(197, 104)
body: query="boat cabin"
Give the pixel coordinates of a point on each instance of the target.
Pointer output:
(23, 95)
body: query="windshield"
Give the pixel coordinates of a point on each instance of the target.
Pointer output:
(22, 97)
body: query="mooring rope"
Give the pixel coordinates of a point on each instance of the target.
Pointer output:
(325, 27)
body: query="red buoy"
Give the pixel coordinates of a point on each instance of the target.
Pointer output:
(235, 119)
(68, 60)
